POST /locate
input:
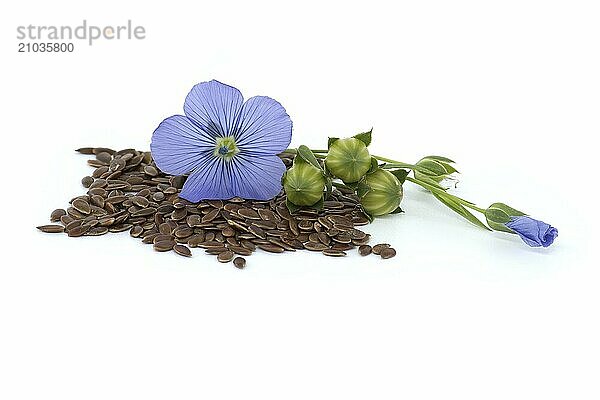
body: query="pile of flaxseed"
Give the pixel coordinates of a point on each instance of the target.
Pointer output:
(127, 192)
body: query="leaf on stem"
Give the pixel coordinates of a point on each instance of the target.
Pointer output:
(374, 166)
(442, 159)
(401, 174)
(362, 189)
(364, 137)
(307, 155)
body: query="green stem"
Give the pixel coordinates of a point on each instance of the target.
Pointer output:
(294, 151)
(464, 202)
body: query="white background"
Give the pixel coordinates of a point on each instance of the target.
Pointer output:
(508, 89)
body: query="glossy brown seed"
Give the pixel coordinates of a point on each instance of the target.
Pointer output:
(267, 215)
(359, 242)
(239, 262)
(177, 181)
(164, 245)
(183, 231)
(104, 157)
(98, 183)
(78, 231)
(98, 201)
(195, 240)
(265, 224)
(248, 244)
(97, 231)
(117, 165)
(144, 193)
(361, 220)
(51, 228)
(86, 181)
(334, 253)
(85, 150)
(66, 220)
(332, 232)
(144, 212)
(165, 208)
(98, 150)
(342, 246)
(342, 238)
(210, 244)
(242, 251)
(271, 248)
(228, 232)
(193, 220)
(210, 215)
(248, 213)
(95, 163)
(356, 234)
(215, 250)
(140, 201)
(160, 238)
(182, 250)
(325, 222)
(209, 237)
(379, 247)
(365, 250)
(136, 231)
(97, 191)
(179, 214)
(304, 225)
(387, 252)
(106, 221)
(73, 224)
(215, 203)
(312, 246)
(225, 256)
(158, 196)
(98, 172)
(149, 239)
(150, 170)
(256, 231)
(57, 214)
(120, 228)
(314, 237)
(323, 238)
(82, 206)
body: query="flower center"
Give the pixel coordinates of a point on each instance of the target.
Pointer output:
(225, 148)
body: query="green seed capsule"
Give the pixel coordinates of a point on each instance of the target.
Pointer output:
(385, 193)
(348, 159)
(304, 184)
(439, 168)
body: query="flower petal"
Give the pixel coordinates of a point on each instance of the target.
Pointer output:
(246, 176)
(264, 126)
(209, 181)
(177, 145)
(534, 232)
(214, 107)
(257, 177)
(549, 236)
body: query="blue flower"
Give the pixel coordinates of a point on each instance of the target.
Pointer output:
(229, 147)
(533, 232)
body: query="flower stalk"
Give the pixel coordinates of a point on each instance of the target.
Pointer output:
(428, 173)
